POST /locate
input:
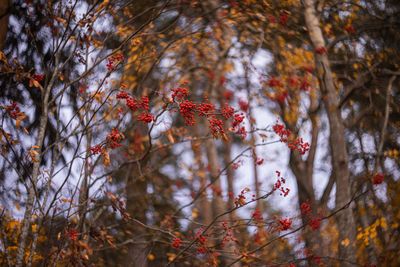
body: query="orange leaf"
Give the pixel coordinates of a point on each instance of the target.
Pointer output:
(22, 117)
(106, 159)
(35, 83)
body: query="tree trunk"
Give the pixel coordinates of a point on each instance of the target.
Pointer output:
(345, 219)
(5, 6)
(218, 204)
(206, 212)
(312, 238)
(230, 175)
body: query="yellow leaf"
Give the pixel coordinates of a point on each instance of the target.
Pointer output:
(171, 256)
(194, 213)
(383, 223)
(17, 124)
(35, 83)
(345, 242)
(106, 159)
(61, 20)
(170, 137)
(34, 155)
(22, 117)
(17, 206)
(373, 234)
(150, 257)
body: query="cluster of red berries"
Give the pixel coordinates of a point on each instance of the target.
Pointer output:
(283, 18)
(38, 77)
(177, 243)
(188, 109)
(309, 253)
(180, 92)
(228, 95)
(244, 106)
(310, 68)
(112, 60)
(210, 75)
(285, 224)
(146, 117)
(97, 149)
(227, 111)
(378, 178)
(259, 161)
(205, 108)
(133, 104)
(297, 144)
(293, 82)
(72, 234)
(237, 120)
(279, 185)
(305, 85)
(216, 126)
(201, 241)
(350, 29)
(114, 138)
(273, 82)
(13, 109)
(321, 50)
(227, 234)
(315, 223)
(281, 97)
(257, 215)
(272, 19)
(237, 164)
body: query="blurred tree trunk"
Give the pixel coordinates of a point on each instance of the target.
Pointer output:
(205, 205)
(259, 205)
(230, 176)
(137, 200)
(303, 171)
(5, 6)
(345, 219)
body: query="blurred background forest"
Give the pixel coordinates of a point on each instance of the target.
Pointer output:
(196, 133)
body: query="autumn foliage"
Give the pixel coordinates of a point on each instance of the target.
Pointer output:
(197, 133)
